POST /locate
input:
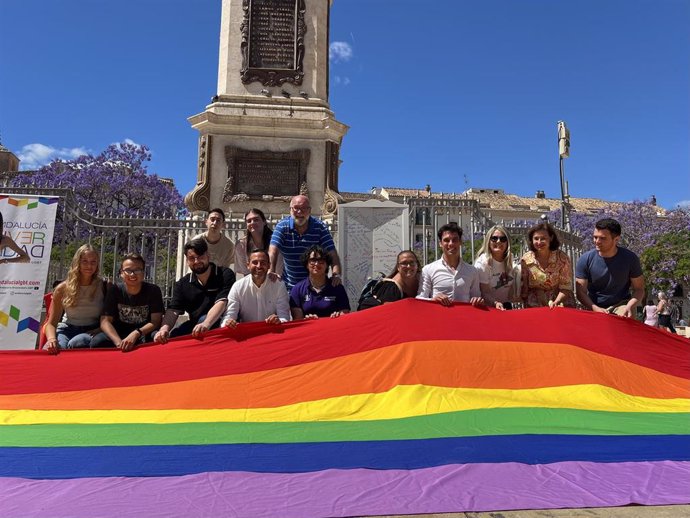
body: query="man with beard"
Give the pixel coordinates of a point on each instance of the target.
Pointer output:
(254, 299)
(293, 236)
(202, 293)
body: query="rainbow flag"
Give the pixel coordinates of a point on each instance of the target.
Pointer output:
(407, 408)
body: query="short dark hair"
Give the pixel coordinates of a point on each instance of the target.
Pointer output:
(258, 251)
(450, 227)
(199, 246)
(133, 256)
(609, 224)
(548, 228)
(318, 251)
(219, 211)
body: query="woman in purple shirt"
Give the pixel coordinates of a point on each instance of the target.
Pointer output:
(316, 296)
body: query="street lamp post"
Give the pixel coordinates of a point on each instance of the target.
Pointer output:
(563, 153)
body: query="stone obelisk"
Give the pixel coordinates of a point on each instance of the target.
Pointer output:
(269, 132)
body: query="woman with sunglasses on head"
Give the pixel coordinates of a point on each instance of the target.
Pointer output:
(77, 304)
(547, 273)
(497, 275)
(315, 296)
(257, 237)
(132, 311)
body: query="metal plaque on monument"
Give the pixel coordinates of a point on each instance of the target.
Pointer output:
(265, 174)
(273, 41)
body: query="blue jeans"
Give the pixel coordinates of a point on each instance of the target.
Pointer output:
(188, 327)
(74, 337)
(101, 340)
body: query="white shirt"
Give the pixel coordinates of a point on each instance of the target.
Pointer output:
(499, 282)
(459, 285)
(248, 302)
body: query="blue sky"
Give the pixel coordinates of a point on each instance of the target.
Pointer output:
(450, 93)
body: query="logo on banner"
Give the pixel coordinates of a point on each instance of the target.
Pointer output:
(30, 236)
(15, 314)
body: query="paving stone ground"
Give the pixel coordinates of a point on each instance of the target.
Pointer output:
(631, 511)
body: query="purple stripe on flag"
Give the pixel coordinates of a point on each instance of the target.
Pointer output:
(453, 488)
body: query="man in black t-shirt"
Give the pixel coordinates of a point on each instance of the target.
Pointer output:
(202, 293)
(132, 310)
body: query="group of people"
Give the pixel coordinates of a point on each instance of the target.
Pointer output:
(285, 276)
(659, 314)
(608, 278)
(293, 272)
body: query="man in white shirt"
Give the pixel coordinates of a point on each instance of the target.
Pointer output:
(252, 299)
(221, 249)
(450, 279)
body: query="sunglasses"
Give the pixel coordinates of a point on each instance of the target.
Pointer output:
(502, 239)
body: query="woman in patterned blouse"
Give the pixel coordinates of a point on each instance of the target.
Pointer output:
(547, 273)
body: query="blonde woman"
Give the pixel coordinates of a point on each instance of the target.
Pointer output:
(497, 276)
(80, 298)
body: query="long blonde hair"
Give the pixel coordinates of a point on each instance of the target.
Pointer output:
(508, 259)
(72, 282)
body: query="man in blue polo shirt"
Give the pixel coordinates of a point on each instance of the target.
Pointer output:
(295, 234)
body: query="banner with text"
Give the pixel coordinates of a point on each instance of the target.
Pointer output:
(29, 222)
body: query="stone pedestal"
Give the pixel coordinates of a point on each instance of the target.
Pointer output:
(269, 133)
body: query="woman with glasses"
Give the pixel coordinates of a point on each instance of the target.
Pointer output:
(132, 310)
(497, 275)
(258, 237)
(547, 273)
(403, 282)
(77, 304)
(316, 296)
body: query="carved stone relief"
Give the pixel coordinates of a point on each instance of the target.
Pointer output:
(331, 196)
(198, 198)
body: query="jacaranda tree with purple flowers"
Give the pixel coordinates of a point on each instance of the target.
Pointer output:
(114, 183)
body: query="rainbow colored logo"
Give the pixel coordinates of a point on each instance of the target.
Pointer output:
(14, 313)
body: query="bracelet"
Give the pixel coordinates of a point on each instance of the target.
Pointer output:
(141, 333)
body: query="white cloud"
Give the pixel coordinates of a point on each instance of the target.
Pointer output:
(126, 141)
(684, 204)
(35, 155)
(340, 51)
(337, 80)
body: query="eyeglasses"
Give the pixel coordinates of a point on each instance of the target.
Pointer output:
(300, 209)
(502, 239)
(316, 260)
(407, 263)
(129, 271)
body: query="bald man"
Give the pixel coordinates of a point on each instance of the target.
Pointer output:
(295, 234)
